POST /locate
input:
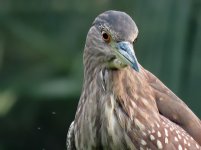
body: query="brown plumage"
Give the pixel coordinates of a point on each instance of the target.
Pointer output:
(122, 105)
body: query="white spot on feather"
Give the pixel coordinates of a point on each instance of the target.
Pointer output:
(197, 146)
(157, 125)
(143, 142)
(145, 102)
(179, 147)
(144, 134)
(159, 144)
(109, 113)
(166, 140)
(133, 104)
(152, 137)
(159, 134)
(139, 124)
(102, 79)
(185, 141)
(166, 132)
(176, 139)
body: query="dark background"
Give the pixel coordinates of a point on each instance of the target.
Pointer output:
(41, 45)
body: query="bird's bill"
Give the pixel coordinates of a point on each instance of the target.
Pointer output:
(126, 54)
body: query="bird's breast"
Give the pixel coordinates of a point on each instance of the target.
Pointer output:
(113, 136)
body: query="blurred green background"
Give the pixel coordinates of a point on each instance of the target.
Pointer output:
(41, 70)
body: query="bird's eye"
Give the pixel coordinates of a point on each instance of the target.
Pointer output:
(106, 37)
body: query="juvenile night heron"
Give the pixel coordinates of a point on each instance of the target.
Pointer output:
(122, 105)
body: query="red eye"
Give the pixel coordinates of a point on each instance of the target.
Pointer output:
(105, 37)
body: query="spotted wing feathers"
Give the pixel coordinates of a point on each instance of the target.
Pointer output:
(173, 108)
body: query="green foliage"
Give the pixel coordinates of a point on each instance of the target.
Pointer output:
(41, 71)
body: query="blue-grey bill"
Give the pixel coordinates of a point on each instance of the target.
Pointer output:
(127, 51)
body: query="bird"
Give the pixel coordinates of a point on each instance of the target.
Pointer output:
(122, 105)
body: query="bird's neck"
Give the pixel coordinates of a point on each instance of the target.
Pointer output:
(131, 86)
(132, 93)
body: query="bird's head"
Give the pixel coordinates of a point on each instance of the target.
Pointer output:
(110, 41)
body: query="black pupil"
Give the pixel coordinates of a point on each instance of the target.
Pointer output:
(105, 36)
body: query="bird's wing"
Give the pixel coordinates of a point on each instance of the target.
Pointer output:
(173, 108)
(70, 143)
